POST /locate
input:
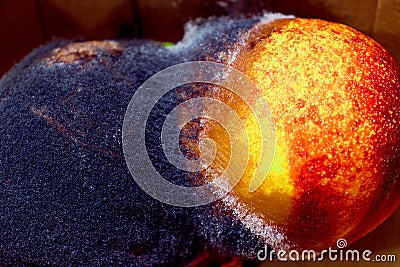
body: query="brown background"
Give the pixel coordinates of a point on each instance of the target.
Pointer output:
(26, 24)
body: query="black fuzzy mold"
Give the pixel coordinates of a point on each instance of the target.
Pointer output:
(66, 196)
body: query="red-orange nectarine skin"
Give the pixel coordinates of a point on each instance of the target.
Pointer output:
(335, 97)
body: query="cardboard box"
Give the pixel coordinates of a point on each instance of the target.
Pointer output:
(26, 24)
(378, 18)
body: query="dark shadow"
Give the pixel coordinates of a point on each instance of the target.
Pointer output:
(384, 238)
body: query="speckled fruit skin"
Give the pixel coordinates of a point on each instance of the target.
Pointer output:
(335, 96)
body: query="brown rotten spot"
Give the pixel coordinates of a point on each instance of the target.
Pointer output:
(85, 51)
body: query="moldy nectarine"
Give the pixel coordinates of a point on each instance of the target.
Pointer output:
(67, 196)
(335, 97)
